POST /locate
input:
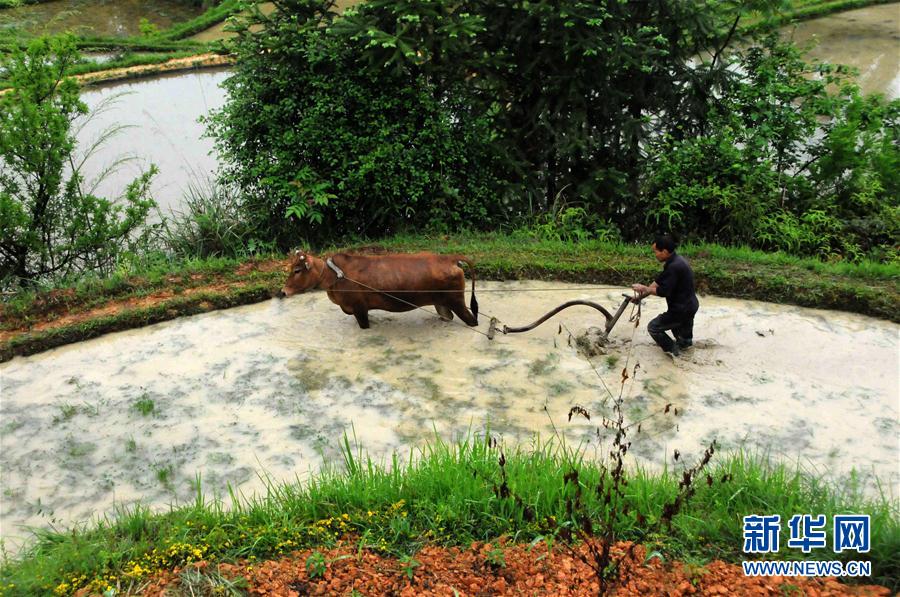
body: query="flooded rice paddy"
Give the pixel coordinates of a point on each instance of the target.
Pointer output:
(120, 18)
(868, 39)
(162, 116)
(268, 390)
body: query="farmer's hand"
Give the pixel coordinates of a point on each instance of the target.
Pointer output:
(639, 288)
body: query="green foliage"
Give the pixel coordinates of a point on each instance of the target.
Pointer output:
(408, 114)
(343, 146)
(571, 224)
(408, 565)
(211, 224)
(316, 564)
(147, 28)
(495, 556)
(444, 115)
(145, 406)
(194, 582)
(793, 159)
(50, 226)
(568, 87)
(164, 475)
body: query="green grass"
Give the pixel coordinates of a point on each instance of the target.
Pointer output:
(129, 59)
(445, 493)
(123, 44)
(213, 16)
(153, 272)
(200, 302)
(867, 287)
(612, 254)
(145, 406)
(164, 475)
(802, 10)
(126, 61)
(66, 412)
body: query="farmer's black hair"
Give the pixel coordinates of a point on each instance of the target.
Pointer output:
(665, 242)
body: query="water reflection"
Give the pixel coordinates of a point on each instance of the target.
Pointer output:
(162, 115)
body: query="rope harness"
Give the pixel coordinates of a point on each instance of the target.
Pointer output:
(494, 321)
(341, 276)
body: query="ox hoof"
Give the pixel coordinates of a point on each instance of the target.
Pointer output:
(444, 312)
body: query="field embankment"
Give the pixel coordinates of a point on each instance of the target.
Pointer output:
(38, 321)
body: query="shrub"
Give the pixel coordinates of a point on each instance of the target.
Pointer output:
(51, 225)
(210, 225)
(794, 159)
(343, 147)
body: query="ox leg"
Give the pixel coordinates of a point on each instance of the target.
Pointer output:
(445, 312)
(459, 307)
(362, 318)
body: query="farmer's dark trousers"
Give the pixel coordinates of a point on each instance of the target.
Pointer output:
(681, 324)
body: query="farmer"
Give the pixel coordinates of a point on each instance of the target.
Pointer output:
(676, 284)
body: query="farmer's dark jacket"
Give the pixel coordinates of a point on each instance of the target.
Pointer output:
(676, 284)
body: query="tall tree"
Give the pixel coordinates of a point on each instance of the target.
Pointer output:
(571, 87)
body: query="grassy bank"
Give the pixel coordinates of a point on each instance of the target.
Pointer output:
(179, 31)
(213, 16)
(445, 494)
(804, 10)
(154, 291)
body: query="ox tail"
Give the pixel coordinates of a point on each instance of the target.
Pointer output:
(473, 302)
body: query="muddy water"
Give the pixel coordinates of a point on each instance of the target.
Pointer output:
(270, 388)
(163, 128)
(867, 39)
(96, 17)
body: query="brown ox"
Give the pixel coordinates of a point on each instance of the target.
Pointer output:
(362, 283)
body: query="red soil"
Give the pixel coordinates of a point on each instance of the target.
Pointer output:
(482, 570)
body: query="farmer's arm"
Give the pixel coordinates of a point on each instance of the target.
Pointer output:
(643, 290)
(662, 286)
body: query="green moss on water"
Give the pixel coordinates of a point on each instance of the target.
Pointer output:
(544, 365)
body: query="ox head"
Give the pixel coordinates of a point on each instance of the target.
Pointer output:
(305, 272)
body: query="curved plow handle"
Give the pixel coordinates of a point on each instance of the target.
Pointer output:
(566, 305)
(610, 318)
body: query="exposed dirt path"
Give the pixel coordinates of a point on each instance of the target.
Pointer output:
(484, 569)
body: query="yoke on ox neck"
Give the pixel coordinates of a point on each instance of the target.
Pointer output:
(334, 268)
